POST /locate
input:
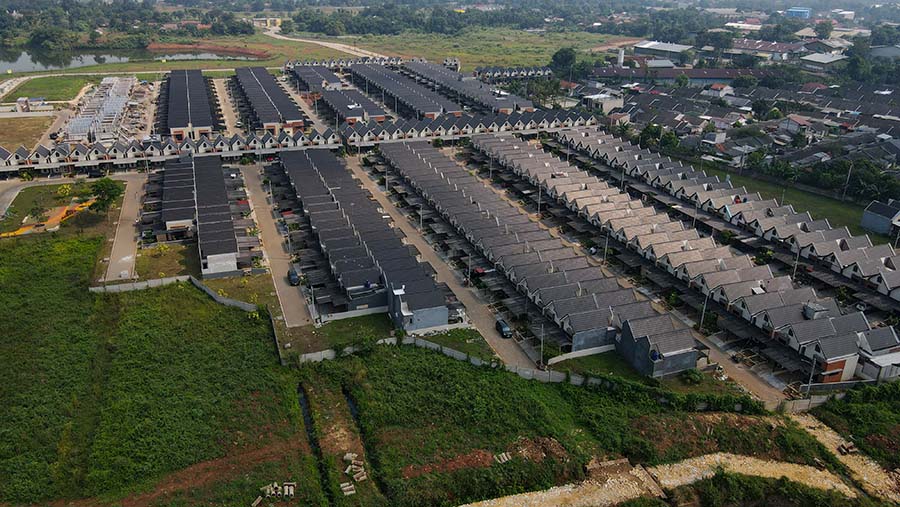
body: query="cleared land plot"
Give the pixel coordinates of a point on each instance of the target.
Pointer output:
(467, 341)
(339, 334)
(52, 87)
(432, 426)
(110, 395)
(608, 363)
(165, 260)
(15, 132)
(478, 47)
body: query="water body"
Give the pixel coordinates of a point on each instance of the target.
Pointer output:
(31, 60)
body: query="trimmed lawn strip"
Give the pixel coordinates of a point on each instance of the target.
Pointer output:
(56, 88)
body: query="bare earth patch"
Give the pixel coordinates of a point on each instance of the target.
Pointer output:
(869, 474)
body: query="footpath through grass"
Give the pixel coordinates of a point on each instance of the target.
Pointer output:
(105, 395)
(431, 426)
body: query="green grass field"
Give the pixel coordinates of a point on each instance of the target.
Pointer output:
(478, 46)
(105, 395)
(838, 213)
(52, 87)
(431, 425)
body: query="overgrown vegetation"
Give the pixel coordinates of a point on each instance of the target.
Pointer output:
(870, 416)
(432, 424)
(106, 394)
(734, 490)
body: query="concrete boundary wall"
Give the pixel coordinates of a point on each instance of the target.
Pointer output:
(161, 282)
(582, 353)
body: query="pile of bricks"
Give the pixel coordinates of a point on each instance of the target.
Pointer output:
(356, 470)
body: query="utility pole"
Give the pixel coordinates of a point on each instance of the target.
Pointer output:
(605, 247)
(847, 184)
(542, 344)
(796, 263)
(703, 313)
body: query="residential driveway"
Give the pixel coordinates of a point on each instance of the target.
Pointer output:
(482, 318)
(227, 107)
(317, 122)
(293, 304)
(124, 249)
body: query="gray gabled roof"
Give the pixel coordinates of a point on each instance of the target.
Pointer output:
(649, 326)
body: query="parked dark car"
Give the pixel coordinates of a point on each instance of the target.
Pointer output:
(293, 277)
(503, 328)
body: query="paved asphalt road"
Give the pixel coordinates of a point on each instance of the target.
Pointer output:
(293, 304)
(482, 318)
(124, 250)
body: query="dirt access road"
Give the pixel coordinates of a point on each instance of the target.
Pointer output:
(483, 320)
(346, 48)
(869, 474)
(622, 487)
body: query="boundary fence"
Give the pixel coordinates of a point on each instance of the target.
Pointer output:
(162, 282)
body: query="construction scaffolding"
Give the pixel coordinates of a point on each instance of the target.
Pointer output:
(100, 115)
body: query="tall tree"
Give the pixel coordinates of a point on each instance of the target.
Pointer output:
(823, 29)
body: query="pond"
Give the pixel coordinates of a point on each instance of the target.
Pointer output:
(31, 60)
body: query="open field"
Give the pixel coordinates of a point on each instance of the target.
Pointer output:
(15, 132)
(838, 213)
(113, 394)
(477, 47)
(431, 426)
(52, 87)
